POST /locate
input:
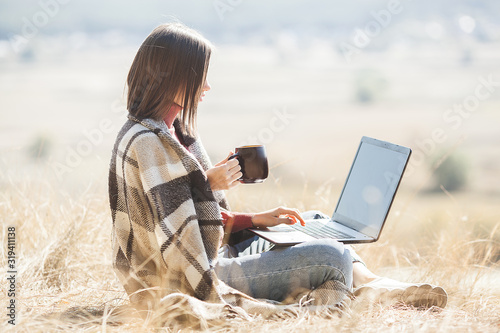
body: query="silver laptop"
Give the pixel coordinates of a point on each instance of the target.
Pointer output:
(364, 203)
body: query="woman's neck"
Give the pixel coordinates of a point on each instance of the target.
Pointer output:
(172, 114)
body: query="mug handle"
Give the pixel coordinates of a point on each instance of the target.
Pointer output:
(233, 156)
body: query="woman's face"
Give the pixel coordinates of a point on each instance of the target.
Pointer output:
(179, 98)
(206, 87)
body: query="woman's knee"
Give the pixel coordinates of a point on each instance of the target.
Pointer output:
(329, 252)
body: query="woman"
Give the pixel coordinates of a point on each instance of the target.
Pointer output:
(169, 210)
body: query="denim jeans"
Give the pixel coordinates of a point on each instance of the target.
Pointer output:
(260, 270)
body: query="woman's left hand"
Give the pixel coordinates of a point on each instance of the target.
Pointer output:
(277, 216)
(225, 174)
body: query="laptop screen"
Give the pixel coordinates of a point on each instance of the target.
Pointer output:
(371, 185)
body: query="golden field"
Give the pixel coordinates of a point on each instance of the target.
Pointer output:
(306, 109)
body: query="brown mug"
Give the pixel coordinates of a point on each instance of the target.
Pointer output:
(253, 163)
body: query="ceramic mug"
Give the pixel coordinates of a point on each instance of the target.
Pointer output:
(253, 163)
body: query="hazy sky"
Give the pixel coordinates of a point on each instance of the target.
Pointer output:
(237, 20)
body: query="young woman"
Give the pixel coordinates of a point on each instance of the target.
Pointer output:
(169, 210)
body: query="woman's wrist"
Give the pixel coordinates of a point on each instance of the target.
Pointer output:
(256, 220)
(241, 221)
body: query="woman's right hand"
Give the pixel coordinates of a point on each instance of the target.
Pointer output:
(277, 216)
(225, 174)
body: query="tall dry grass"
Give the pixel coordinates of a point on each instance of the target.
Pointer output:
(65, 281)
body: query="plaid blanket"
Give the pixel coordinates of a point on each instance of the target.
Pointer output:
(167, 223)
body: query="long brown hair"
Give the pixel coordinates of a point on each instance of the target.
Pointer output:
(172, 60)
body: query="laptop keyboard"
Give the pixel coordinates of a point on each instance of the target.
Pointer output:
(320, 230)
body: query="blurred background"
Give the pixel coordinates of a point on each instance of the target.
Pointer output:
(305, 78)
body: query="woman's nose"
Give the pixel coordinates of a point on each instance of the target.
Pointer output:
(206, 86)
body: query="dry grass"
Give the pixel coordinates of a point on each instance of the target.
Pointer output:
(65, 281)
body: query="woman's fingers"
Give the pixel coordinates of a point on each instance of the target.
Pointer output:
(280, 215)
(233, 179)
(233, 172)
(233, 184)
(233, 166)
(292, 213)
(287, 219)
(235, 176)
(224, 160)
(224, 175)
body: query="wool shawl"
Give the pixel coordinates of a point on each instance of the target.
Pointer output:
(167, 222)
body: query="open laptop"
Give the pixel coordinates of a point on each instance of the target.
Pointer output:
(364, 203)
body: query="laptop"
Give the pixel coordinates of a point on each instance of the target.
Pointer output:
(364, 202)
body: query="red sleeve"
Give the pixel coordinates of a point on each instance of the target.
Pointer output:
(234, 222)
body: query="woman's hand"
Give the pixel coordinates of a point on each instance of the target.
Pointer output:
(277, 216)
(225, 174)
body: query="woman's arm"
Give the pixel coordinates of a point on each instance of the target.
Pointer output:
(279, 215)
(166, 225)
(225, 176)
(234, 222)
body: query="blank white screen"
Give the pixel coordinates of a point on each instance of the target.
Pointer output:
(371, 186)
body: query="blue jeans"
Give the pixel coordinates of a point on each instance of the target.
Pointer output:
(262, 271)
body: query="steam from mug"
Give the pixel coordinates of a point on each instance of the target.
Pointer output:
(253, 163)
